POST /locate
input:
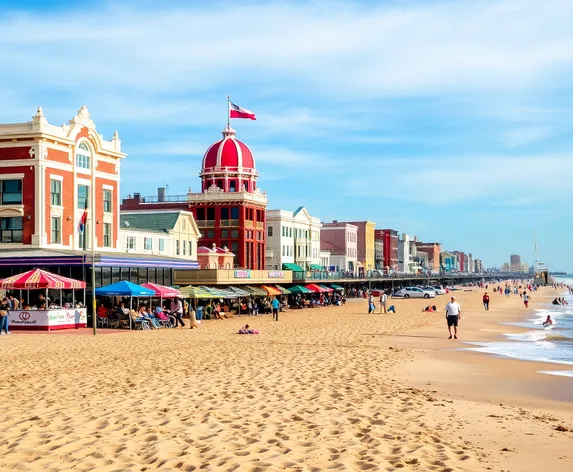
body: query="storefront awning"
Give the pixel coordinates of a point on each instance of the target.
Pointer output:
(299, 289)
(293, 267)
(271, 290)
(328, 289)
(284, 291)
(316, 267)
(316, 288)
(337, 287)
(256, 291)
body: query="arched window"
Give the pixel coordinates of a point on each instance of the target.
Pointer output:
(83, 156)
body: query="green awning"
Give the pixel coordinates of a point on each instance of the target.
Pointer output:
(284, 291)
(203, 292)
(316, 267)
(239, 292)
(336, 287)
(299, 289)
(293, 267)
(256, 291)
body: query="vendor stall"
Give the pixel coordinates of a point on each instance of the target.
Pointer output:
(50, 316)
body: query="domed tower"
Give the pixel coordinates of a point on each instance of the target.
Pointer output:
(231, 210)
(229, 165)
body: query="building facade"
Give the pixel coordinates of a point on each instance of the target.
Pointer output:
(366, 249)
(169, 233)
(341, 239)
(433, 250)
(405, 264)
(515, 262)
(50, 176)
(230, 211)
(389, 239)
(293, 238)
(448, 262)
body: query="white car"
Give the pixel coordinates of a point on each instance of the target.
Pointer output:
(439, 290)
(415, 292)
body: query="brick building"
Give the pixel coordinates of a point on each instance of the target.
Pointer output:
(433, 250)
(389, 238)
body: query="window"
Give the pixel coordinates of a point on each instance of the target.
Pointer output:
(224, 213)
(210, 234)
(83, 197)
(11, 229)
(290, 233)
(184, 248)
(232, 186)
(234, 247)
(83, 156)
(107, 203)
(284, 250)
(56, 192)
(210, 213)
(161, 244)
(130, 242)
(11, 191)
(224, 233)
(147, 244)
(270, 231)
(190, 248)
(176, 247)
(234, 213)
(56, 230)
(234, 233)
(107, 235)
(201, 214)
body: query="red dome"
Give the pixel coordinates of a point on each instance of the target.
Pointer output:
(229, 154)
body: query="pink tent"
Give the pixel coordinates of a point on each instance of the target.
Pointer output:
(163, 291)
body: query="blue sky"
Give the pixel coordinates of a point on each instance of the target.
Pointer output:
(449, 120)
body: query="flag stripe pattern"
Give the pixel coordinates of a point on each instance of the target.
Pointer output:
(235, 111)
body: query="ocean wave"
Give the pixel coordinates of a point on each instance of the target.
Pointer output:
(539, 351)
(561, 373)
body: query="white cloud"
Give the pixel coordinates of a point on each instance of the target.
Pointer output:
(447, 181)
(526, 135)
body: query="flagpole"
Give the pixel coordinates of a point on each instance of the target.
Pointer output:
(228, 111)
(94, 314)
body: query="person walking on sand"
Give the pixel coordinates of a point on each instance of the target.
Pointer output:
(370, 303)
(526, 299)
(383, 300)
(486, 301)
(453, 315)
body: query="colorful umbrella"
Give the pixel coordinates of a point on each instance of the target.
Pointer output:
(38, 278)
(162, 291)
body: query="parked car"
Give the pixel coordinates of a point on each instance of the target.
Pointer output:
(439, 290)
(414, 292)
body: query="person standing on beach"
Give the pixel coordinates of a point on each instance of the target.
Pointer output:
(486, 301)
(370, 303)
(383, 300)
(176, 309)
(275, 304)
(453, 315)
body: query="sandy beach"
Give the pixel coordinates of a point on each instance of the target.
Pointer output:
(322, 389)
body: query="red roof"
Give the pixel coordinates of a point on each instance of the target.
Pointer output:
(229, 154)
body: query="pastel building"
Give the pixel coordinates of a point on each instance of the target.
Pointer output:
(433, 251)
(448, 261)
(405, 264)
(293, 238)
(366, 249)
(341, 239)
(167, 233)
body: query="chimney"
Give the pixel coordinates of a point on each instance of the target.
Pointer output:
(161, 194)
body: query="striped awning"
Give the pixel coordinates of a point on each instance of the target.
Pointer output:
(238, 292)
(337, 287)
(39, 278)
(193, 291)
(316, 288)
(328, 289)
(299, 289)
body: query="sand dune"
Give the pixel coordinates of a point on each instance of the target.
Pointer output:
(318, 390)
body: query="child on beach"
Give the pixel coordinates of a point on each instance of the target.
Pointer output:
(526, 299)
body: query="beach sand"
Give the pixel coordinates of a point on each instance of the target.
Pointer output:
(328, 388)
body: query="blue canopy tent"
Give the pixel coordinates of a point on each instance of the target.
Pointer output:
(125, 289)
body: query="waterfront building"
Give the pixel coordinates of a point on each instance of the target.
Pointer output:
(460, 261)
(405, 264)
(447, 261)
(293, 238)
(341, 239)
(478, 266)
(378, 253)
(165, 233)
(325, 258)
(389, 239)
(230, 210)
(366, 250)
(515, 262)
(470, 263)
(50, 177)
(433, 250)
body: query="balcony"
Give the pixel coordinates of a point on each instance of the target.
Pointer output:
(232, 277)
(205, 223)
(249, 224)
(229, 223)
(260, 225)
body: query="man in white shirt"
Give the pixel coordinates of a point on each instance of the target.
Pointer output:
(453, 315)
(383, 300)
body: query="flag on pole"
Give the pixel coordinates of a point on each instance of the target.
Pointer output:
(235, 111)
(83, 221)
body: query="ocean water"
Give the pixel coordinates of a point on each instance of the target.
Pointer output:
(552, 345)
